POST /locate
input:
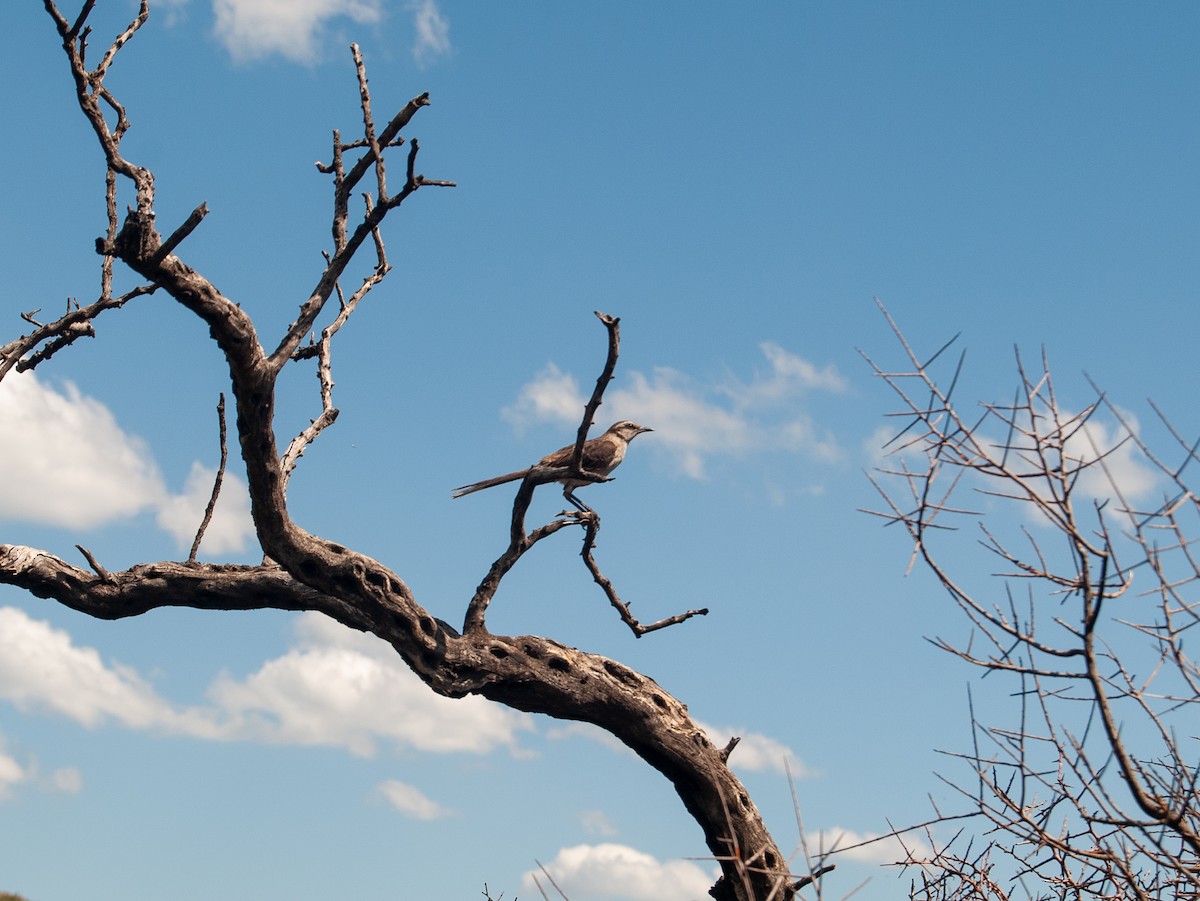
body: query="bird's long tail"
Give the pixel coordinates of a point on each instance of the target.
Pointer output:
(490, 483)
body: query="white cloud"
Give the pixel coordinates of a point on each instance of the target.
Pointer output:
(68, 780)
(295, 29)
(1123, 467)
(411, 801)
(789, 375)
(693, 422)
(170, 12)
(432, 32)
(337, 688)
(620, 873)
(252, 29)
(758, 753)
(885, 449)
(552, 396)
(68, 463)
(755, 752)
(11, 774)
(231, 526)
(1113, 463)
(347, 689)
(65, 460)
(597, 822)
(865, 847)
(683, 419)
(42, 670)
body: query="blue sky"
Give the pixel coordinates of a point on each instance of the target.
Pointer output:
(738, 184)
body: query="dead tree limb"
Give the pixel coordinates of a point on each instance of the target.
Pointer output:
(308, 572)
(217, 481)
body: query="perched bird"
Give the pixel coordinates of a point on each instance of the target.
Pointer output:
(600, 456)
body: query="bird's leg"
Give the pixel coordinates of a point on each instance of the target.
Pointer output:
(576, 502)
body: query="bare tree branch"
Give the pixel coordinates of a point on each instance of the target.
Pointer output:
(1092, 793)
(217, 480)
(303, 571)
(520, 542)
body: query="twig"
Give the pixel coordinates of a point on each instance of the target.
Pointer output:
(103, 573)
(216, 489)
(613, 325)
(591, 524)
(176, 237)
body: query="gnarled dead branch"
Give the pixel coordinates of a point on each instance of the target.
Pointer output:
(304, 571)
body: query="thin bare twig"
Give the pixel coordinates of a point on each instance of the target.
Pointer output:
(1090, 792)
(217, 480)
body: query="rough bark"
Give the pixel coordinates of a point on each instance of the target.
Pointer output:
(527, 672)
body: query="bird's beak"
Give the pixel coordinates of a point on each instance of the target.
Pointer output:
(646, 429)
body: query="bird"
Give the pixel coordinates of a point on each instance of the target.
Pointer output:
(601, 456)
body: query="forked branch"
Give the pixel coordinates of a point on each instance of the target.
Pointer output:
(1094, 790)
(305, 571)
(520, 541)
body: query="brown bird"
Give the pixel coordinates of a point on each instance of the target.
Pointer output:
(600, 456)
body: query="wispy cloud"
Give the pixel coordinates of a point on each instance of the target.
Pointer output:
(335, 688)
(865, 847)
(597, 822)
(297, 29)
(171, 12)
(67, 462)
(756, 752)
(67, 779)
(695, 421)
(11, 773)
(620, 872)
(252, 29)
(432, 32)
(411, 801)
(1109, 460)
(1119, 465)
(41, 669)
(346, 689)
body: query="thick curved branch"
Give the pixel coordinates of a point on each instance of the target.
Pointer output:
(106, 595)
(308, 572)
(527, 672)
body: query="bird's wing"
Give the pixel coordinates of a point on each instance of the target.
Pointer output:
(597, 455)
(561, 457)
(601, 455)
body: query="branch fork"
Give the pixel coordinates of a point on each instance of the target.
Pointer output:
(520, 541)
